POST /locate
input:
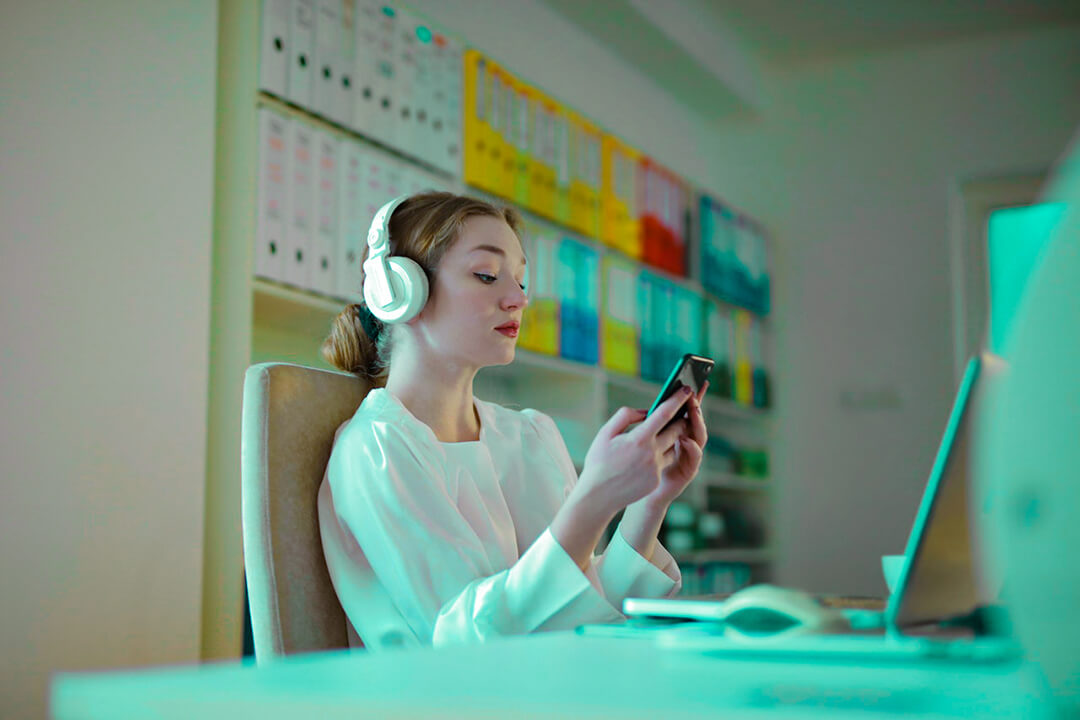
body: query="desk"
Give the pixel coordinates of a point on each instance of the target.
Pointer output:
(548, 675)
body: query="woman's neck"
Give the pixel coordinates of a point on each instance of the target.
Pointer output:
(438, 394)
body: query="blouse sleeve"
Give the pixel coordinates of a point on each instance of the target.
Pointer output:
(621, 570)
(431, 562)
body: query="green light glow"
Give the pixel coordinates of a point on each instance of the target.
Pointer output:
(1016, 238)
(423, 33)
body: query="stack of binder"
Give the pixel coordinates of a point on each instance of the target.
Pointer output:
(317, 192)
(672, 324)
(368, 66)
(517, 144)
(734, 257)
(663, 218)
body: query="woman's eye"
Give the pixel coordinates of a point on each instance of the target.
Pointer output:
(486, 278)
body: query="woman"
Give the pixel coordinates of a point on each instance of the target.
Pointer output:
(446, 518)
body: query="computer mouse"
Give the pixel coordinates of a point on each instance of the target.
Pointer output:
(767, 611)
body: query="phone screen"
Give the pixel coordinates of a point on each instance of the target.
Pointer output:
(691, 370)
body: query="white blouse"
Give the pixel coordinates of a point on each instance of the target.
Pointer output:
(430, 542)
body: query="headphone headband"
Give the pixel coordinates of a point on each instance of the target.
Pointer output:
(379, 233)
(376, 270)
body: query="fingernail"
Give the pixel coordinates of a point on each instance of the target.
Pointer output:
(685, 390)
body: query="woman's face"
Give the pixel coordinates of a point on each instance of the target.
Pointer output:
(474, 311)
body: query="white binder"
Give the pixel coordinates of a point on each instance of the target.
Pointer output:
(404, 130)
(424, 95)
(274, 47)
(302, 41)
(436, 62)
(376, 182)
(323, 277)
(384, 110)
(342, 111)
(353, 219)
(270, 239)
(300, 204)
(396, 177)
(365, 34)
(325, 80)
(451, 138)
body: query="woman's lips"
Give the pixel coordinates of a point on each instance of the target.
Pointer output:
(508, 331)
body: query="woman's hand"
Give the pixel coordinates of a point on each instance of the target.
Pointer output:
(623, 467)
(682, 461)
(641, 470)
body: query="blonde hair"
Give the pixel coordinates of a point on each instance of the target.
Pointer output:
(422, 228)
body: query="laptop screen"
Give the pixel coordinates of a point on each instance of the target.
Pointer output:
(938, 580)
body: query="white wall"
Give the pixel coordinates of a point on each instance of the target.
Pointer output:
(851, 167)
(107, 156)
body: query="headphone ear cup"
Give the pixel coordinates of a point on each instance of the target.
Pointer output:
(409, 286)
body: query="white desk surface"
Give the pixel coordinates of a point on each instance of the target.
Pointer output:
(549, 675)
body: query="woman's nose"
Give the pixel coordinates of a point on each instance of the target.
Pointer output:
(515, 298)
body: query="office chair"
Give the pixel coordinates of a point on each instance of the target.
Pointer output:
(289, 418)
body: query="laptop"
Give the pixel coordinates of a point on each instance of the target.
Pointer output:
(938, 583)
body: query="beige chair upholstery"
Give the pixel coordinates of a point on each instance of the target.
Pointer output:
(289, 418)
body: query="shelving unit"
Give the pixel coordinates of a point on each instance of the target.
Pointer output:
(255, 320)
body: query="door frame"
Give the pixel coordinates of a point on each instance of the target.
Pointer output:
(970, 203)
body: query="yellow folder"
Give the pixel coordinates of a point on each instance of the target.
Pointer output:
(591, 179)
(496, 166)
(620, 226)
(561, 199)
(549, 113)
(478, 108)
(540, 323)
(579, 173)
(620, 327)
(744, 381)
(520, 136)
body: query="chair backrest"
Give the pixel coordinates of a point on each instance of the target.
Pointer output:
(289, 418)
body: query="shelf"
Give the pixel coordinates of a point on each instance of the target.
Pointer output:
(293, 310)
(552, 363)
(750, 556)
(457, 184)
(730, 409)
(731, 481)
(290, 309)
(265, 99)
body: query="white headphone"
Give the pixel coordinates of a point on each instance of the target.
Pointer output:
(395, 288)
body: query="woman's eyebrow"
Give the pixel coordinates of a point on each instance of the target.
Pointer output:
(493, 249)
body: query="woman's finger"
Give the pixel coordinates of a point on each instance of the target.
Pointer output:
(691, 453)
(663, 414)
(622, 419)
(698, 432)
(669, 457)
(668, 438)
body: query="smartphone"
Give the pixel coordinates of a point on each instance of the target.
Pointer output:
(691, 370)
